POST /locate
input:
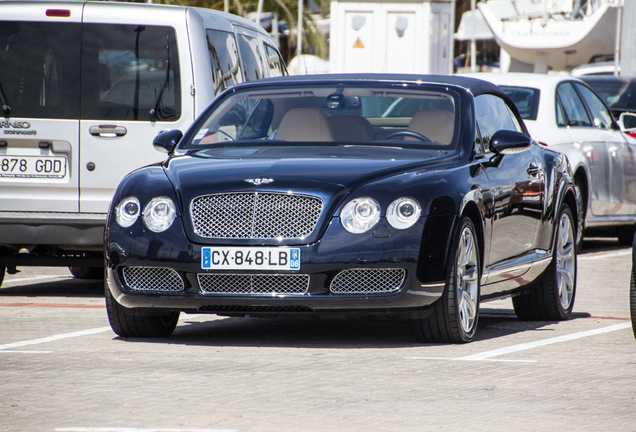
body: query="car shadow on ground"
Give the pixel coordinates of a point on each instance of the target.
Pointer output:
(329, 333)
(63, 287)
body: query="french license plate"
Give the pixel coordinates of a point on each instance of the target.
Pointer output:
(33, 166)
(250, 258)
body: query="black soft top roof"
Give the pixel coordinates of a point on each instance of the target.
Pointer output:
(476, 86)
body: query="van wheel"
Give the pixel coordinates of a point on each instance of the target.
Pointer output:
(2, 272)
(455, 315)
(87, 272)
(131, 326)
(551, 296)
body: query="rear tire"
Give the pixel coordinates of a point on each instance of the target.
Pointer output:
(131, 326)
(455, 315)
(551, 295)
(581, 207)
(3, 270)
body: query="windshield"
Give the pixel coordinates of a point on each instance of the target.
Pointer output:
(341, 115)
(526, 99)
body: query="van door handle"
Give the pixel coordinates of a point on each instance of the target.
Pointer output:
(107, 131)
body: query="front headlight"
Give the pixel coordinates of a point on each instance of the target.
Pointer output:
(127, 211)
(360, 215)
(403, 213)
(159, 214)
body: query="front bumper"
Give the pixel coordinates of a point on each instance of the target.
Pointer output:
(418, 254)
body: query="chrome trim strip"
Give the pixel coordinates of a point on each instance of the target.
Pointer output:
(425, 293)
(434, 285)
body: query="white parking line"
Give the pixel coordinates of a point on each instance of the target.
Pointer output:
(132, 429)
(33, 278)
(487, 355)
(603, 256)
(53, 338)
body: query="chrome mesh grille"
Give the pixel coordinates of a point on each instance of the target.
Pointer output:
(152, 279)
(368, 281)
(253, 284)
(255, 215)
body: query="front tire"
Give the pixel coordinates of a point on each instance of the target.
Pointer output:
(455, 316)
(131, 326)
(551, 295)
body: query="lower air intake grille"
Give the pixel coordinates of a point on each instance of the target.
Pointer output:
(152, 279)
(368, 281)
(254, 284)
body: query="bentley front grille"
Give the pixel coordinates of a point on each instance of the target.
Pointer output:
(255, 215)
(155, 279)
(254, 284)
(368, 281)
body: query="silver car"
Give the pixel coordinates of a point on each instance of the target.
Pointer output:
(564, 114)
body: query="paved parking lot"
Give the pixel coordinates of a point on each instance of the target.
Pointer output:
(62, 368)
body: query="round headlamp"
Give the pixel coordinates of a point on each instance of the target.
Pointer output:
(403, 213)
(159, 214)
(127, 211)
(360, 215)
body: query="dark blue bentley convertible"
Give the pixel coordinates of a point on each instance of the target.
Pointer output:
(418, 196)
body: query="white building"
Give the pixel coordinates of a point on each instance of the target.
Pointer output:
(392, 36)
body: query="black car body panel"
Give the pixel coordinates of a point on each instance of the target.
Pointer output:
(511, 199)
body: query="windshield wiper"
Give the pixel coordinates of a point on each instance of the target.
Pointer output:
(6, 109)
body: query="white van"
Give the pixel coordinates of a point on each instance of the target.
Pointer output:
(84, 89)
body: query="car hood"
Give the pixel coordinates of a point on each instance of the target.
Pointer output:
(327, 172)
(287, 168)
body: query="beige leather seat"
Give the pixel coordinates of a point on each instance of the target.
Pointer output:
(349, 128)
(435, 124)
(304, 124)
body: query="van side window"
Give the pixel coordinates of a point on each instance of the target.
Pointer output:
(252, 58)
(130, 72)
(274, 62)
(224, 60)
(39, 69)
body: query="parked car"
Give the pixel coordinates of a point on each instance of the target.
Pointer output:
(298, 196)
(619, 94)
(564, 114)
(83, 86)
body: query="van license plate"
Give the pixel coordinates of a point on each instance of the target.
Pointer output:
(33, 166)
(250, 258)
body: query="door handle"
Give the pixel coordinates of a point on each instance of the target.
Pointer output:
(108, 131)
(533, 170)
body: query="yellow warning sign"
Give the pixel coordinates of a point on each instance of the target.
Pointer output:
(358, 44)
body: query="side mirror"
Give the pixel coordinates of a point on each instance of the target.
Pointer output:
(166, 141)
(509, 142)
(627, 122)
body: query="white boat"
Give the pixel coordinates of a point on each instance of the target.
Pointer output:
(551, 34)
